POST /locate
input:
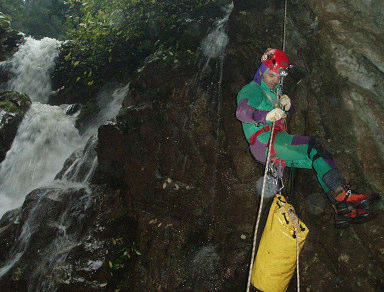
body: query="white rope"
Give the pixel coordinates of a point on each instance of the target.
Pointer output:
(285, 18)
(263, 189)
(297, 262)
(297, 229)
(260, 207)
(295, 223)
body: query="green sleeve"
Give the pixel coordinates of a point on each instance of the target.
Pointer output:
(253, 92)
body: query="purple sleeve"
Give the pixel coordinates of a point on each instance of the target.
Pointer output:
(249, 114)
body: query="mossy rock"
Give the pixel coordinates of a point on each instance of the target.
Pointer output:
(14, 102)
(9, 38)
(5, 21)
(13, 106)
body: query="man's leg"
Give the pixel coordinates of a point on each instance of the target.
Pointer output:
(308, 152)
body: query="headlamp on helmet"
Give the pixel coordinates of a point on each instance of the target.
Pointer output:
(277, 61)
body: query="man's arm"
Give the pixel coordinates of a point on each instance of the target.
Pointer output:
(249, 114)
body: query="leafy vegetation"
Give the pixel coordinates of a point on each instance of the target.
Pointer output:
(111, 38)
(38, 18)
(108, 39)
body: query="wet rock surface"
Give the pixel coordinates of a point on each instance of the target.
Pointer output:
(9, 38)
(174, 199)
(183, 141)
(13, 106)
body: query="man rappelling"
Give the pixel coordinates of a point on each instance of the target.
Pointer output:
(260, 108)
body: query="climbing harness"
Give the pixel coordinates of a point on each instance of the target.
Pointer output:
(278, 127)
(276, 168)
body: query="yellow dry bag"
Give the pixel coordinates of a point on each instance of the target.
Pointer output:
(275, 260)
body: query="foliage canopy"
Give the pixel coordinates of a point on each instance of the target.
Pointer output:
(120, 34)
(38, 18)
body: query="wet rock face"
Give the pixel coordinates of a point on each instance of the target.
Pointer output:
(176, 197)
(352, 36)
(170, 156)
(341, 100)
(8, 38)
(51, 234)
(13, 106)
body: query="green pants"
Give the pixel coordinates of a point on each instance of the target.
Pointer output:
(301, 152)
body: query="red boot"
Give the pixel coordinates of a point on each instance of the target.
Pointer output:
(357, 216)
(347, 200)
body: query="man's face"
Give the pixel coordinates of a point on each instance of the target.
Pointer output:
(271, 79)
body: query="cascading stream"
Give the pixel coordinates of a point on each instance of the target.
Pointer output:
(31, 67)
(45, 138)
(44, 141)
(211, 61)
(83, 167)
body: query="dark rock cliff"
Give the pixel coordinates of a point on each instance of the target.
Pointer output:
(174, 198)
(173, 134)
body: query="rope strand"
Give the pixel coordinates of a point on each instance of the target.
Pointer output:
(297, 234)
(260, 207)
(285, 18)
(263, 189)
(297, 262)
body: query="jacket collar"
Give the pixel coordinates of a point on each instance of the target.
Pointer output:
(266, 88)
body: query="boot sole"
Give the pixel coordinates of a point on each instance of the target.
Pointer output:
(361, 205)
(345, 222)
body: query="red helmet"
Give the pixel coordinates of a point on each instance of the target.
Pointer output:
(275, 60)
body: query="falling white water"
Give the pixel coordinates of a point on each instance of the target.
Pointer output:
(213, 47)
(82, 168)
(44, 141)
(25, 236)
(214, 44)
(209, 68)
(31, 67)
(110, 104)
(45, 138)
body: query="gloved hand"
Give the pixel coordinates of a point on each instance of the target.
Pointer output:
(285, 102)
(275, 115)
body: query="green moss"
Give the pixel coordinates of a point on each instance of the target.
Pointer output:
(10, 107)
(14, 102)
(5, 21)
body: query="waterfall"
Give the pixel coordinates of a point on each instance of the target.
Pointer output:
(85, 163)
(31, 67)
(212, 48)
(45, 138)
(213, 45)
(46, 141)
(210, 63)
